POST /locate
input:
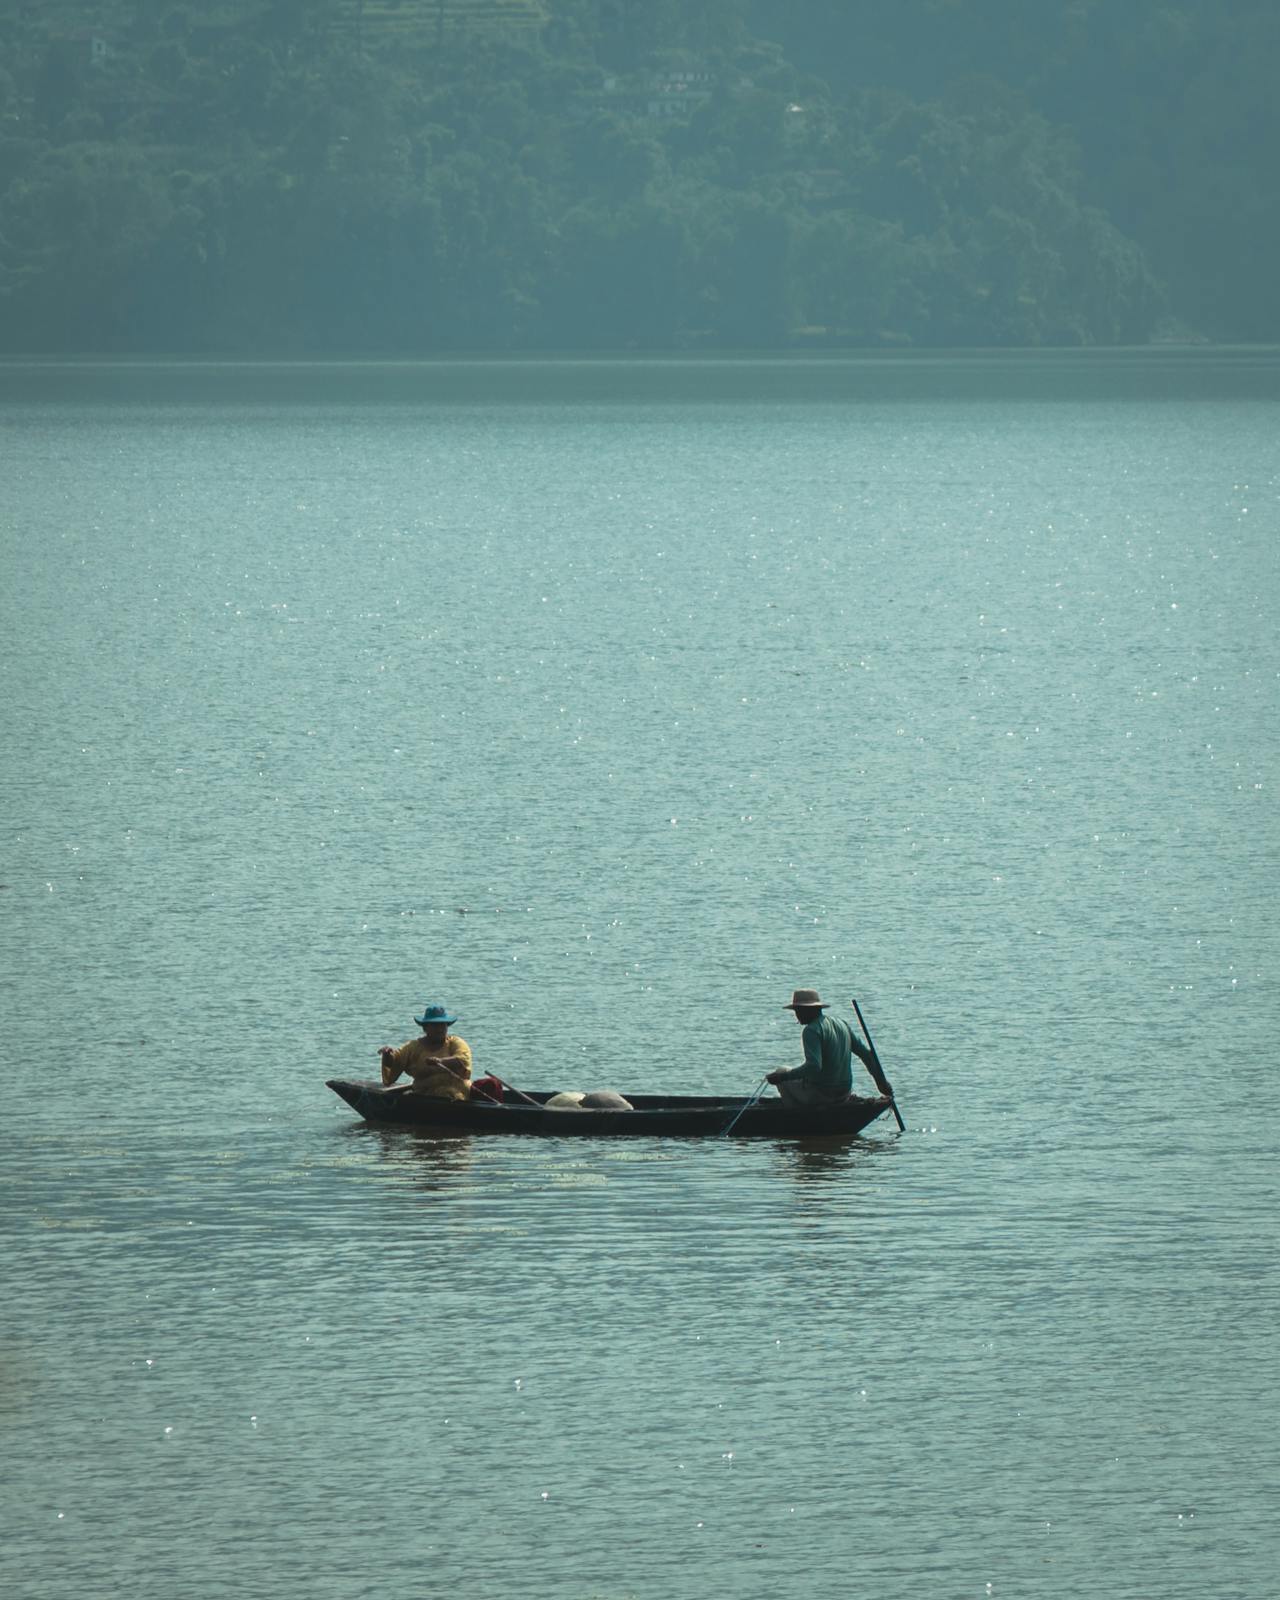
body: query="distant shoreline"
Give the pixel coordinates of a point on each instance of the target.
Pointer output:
(1139, 372)
(829, 356)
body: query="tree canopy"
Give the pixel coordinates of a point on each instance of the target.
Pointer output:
(406, 176)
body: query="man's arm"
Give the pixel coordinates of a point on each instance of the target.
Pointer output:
(871, 1064)
(455, 1066)
(456, 1061)
(811, 1066)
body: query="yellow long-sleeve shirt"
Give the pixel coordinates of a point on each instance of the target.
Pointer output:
(451, 1082)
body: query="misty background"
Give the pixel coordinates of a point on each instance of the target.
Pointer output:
(406, 176)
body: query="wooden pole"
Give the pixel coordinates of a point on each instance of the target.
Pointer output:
(880, 1077)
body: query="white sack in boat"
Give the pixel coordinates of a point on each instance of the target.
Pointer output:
(605, 1100)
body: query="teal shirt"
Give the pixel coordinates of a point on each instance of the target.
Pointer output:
(829, 1048)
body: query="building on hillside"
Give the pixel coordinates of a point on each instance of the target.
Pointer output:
(652, 97)
(89, 48)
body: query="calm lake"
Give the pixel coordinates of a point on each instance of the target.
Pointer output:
(606, 703)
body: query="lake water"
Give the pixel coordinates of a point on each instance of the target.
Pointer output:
(606, 703)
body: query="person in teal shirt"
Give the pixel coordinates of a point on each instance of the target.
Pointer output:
(825, 1077)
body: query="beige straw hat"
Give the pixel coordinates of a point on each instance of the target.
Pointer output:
(805, 1000)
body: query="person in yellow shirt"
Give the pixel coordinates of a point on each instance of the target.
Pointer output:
(438, 1062)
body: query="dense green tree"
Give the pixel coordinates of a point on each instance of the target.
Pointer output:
(620, 279)
(75, 230)
(849, 269)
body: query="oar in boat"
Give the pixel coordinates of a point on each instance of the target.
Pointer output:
(745, 1106)
(511, 1089)
(881, 1080)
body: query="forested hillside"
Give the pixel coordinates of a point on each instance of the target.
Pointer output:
(403, 176)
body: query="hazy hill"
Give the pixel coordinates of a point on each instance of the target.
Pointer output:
(331, 175)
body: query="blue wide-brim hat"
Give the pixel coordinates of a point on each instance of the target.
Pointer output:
(432, 1014)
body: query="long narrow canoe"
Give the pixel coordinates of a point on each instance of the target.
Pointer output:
(690, 1115)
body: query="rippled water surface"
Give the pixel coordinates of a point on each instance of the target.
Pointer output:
(608, 703)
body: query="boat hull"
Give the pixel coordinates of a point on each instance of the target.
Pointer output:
(652, 1116)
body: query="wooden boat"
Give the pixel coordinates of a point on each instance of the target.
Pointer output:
(653, 1115)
